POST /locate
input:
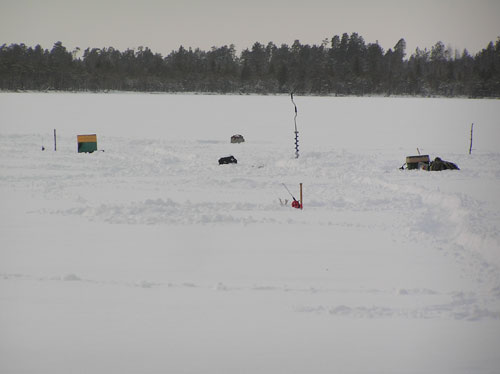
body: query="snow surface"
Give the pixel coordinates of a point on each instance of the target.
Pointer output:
(149, 257)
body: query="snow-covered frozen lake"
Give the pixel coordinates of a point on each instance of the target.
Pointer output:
(150, 257)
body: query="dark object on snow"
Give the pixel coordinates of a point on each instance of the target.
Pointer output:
(227, 160)
(438, 165)
(237, 138)
(417, 162)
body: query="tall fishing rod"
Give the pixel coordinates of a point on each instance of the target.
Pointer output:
(296, 131)
(284, 185)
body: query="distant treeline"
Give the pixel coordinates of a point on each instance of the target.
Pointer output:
(344, 65)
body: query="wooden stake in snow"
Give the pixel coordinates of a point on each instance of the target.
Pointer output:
(471, 131)
(55, 141)
(301, 200)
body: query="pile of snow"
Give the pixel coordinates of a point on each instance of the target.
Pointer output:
(150, 257)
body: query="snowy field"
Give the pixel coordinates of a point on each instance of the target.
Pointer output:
(149, 257)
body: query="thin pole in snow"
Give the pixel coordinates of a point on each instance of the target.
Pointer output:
(55, 141)
(471, 131)
(301, 200)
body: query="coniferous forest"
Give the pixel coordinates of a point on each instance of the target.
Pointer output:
(344, 65)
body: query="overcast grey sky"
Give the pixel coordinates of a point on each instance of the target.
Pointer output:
(165, 25)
